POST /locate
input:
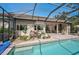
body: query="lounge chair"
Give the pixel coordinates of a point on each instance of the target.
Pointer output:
(4, 46)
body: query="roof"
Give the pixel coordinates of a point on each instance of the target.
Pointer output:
(29, 17)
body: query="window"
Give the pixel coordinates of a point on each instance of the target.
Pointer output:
(55, 27)
(17, 27)
(60, 28)
(22, 27)
(34, 27)
(39, 27)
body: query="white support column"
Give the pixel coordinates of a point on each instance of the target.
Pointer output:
(44, 28)
(68, 29)
(57, 29)
(19, 30)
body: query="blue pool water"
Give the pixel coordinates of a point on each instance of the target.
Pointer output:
(66, 47)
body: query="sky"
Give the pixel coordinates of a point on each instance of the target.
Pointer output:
(42, 9)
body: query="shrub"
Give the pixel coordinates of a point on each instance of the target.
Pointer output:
(25, 38)
(7, 33)
(43, 35)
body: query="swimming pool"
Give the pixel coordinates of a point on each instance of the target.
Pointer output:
(64, 47)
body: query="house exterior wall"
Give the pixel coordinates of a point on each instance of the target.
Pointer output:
(51, 25)
(0, 23)
(24, 22)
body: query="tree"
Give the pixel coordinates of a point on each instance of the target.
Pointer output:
(62, 16)
(75, 21)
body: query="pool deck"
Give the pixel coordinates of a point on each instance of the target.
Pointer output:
(54, 37)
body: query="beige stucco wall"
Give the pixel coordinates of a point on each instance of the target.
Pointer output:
(5, 24)
(51, 25)
(23, 22)
(0, 23)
